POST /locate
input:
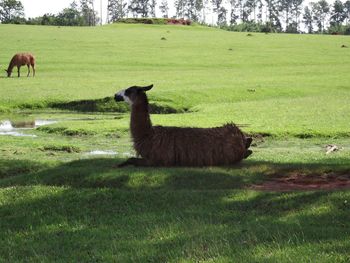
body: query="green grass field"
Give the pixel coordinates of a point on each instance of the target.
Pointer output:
(58, 203)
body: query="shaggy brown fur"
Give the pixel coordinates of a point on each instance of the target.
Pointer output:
(21, 59)
(174, 146)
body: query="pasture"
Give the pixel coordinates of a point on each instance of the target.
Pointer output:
(61, 202)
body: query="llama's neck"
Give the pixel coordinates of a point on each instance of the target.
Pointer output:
(140, 124)
(11, 66)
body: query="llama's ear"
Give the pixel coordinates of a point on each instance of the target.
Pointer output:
(147, 88)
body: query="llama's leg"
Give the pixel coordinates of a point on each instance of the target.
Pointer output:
(247, 154)
(248, 142)
(28, 70)
(18, 69)
(135, 162)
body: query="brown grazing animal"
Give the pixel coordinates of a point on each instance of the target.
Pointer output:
(19, 60)
(175, 146)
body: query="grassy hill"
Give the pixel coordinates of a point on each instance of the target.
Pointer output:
(59, 203)
(276, 83)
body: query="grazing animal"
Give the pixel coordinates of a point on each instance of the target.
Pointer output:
(19, 60)
(175, 146)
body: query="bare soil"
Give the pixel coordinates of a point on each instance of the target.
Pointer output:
(303, 182)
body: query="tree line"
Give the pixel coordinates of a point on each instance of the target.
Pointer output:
(291, 16)
(80, 13)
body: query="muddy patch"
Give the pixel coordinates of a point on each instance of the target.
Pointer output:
(305, 182)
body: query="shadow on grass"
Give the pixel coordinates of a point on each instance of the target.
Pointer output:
(103, 173)
(108, 104)
(106, 214)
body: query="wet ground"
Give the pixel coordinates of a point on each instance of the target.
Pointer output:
(28, 126)
(37, 136)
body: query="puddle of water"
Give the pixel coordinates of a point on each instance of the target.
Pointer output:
(39, 123)
(5, 126)
(99, 152)
(14, 128)
(17, 134)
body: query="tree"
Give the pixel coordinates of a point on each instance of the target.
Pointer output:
(292, 28)
(272, 15)
(347, 11)
(234, 14)
(220, 11)
(11, 10)
(48, 19)
(192, 9)
(308, 19)
(286, 7)
(164, 8)
(180, 7)
(296, 13)
(338, 13)
(320, 12)
(268, 4)
(69, 17)
(139, 7)
(324, 12)
(116, 9)
(247, 9)
(133, 7)
(88, 12)
(259, 6)
(152, 8)
(292, 11)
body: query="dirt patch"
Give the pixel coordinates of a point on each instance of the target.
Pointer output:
(303, 182)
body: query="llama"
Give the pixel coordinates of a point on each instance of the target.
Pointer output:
(21, 59)
(176, 146)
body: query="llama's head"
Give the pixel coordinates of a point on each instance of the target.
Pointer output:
(8, 72)
(132, 94)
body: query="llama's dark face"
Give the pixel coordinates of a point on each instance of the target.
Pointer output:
(130, 95)
(8, 73)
